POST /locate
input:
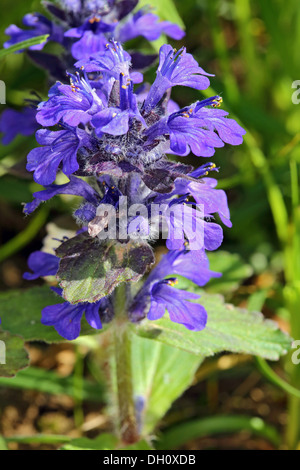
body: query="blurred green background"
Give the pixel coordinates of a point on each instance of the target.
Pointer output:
(252, 47)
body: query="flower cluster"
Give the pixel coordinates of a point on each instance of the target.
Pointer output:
(111, 136)
(107, 128)
(82, 28)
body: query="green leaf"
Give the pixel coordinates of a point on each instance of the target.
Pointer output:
(161, 374)
(21, 314)
(165, 9)
(52, 439)
(3, 445)
(234, 271)
(257, 299)
(90, 270)
(13, 355)
(179, 435)
(24, 45)
(141, 445)
(48, 381)
(105, 441)
(228, 329)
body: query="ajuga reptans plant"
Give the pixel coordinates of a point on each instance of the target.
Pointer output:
(113, 137)
(145, 217)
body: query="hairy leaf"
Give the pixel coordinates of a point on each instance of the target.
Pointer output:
(13, 355)
(90, 270)
(228, 329)
(161, 374)
(21, 314)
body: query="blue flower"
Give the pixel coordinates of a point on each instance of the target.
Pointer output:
(186, 137)
(187, 226)
(190, 226)
(193, 225)
(177, 302)
(94, 24)
(161, 296)
(115, 121)
(158, 294)
(149, 26)
(193, 265)
(88, 45)
(205, 193)
(193, 129)
(112, 61)
(214, 120)
(66, 318)
(72, 104)
(91, 34)
(213, 200)
(175, 68)
(76, 187)
(60, 148)
(42, 264)
(40, 26)
(14, 122)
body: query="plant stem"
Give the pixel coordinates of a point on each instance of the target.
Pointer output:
(180, 434)
(122, 345)
(292, 300)
(23, 238)
(273, 377)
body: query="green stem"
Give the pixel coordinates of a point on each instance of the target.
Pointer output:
(273, 377)
(23, 238)
(292, 300)
(180, 434)
(122, 345)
